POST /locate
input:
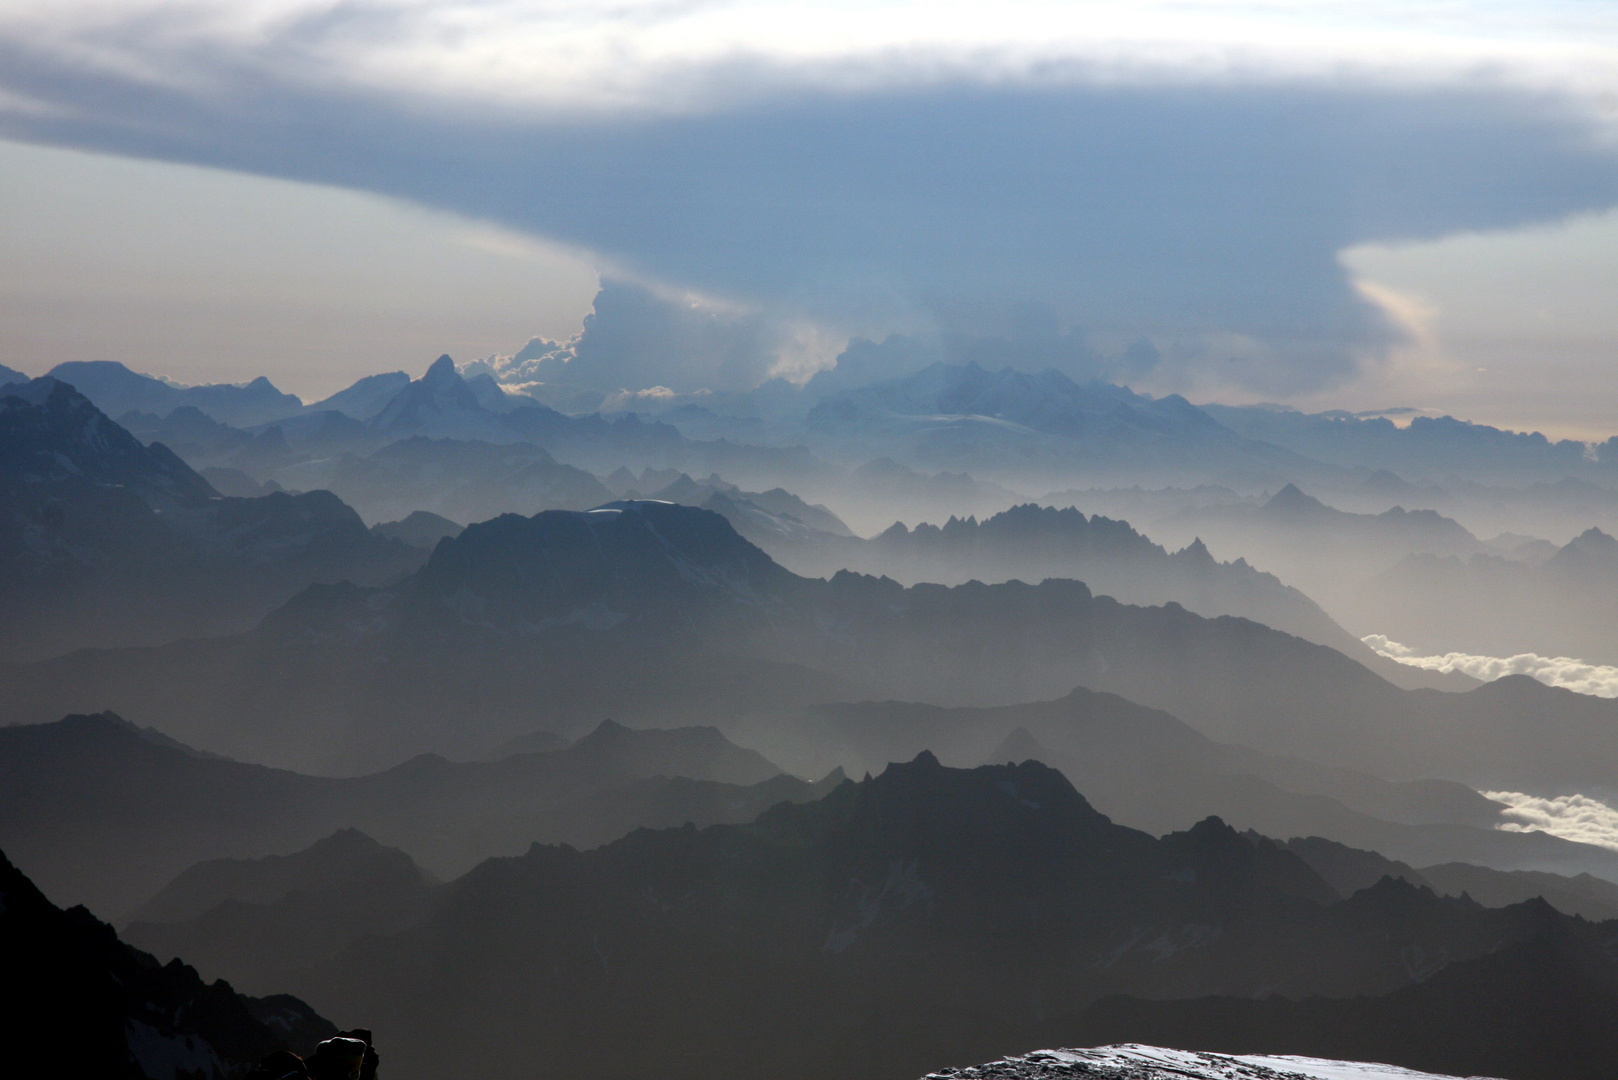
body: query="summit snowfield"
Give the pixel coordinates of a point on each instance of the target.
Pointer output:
(1135, 1062)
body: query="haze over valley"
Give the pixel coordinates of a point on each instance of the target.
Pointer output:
(770, 541)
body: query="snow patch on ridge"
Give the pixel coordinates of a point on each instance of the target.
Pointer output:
(1132, 1061)
(1577, 675)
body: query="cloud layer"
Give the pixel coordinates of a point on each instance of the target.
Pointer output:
(1572, 817)
(1181, 174)
(1564, 671)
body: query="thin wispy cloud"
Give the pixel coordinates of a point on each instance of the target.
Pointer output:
(1599, 680)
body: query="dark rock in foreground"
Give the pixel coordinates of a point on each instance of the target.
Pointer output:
(83, 1003)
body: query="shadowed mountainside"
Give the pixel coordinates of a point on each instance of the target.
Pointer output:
(922, 916)
(106, 542)
(88, 1004)
(1148, 770)
(101, 813)
(662, 614)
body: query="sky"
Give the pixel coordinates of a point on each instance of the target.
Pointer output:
(1327, 204)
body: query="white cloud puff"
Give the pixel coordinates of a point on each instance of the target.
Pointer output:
(1596, 679)
(1572, 817)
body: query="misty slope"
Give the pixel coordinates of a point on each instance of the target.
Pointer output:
(419, 528)
(107, 542)
(464, 481)
(260, 919)
(1428, 448)
(116, 390)
(926, 915)
(662, 614)
(1031, 543)
(1349, 870)
(100, 813)
(1147, 770)
(84, 1003)
(460, 428)
(1566, 605)
(1334, 556)
(1014, 424)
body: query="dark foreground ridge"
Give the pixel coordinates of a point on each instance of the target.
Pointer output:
(934, 915)
(83, 1003)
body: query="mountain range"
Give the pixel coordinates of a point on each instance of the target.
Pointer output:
(659, 614)
(1147, 770)
(102, 813)
(1032, 543)
(107, 542)
(1483, 603)
(930, 915)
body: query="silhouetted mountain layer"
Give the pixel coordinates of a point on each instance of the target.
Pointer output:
(1349, 870)
(1328, 553)
(366, 397)
(1147, 770)
(116, 390)
(1540, 1009)
(464, 481)
(1565, 605)
(1019, 425)
(261, 919)
(106, 542)
(83, 1003)
(662, 614)
(101, 813)
(923, 916)
(1031, 543)
(1428, 448)
(419, 528)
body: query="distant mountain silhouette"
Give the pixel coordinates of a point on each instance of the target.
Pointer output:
(778, 503)
(1332, 555)
(464, 481)
(662, 614)
(260, 919)
(1148, 770)
(1349, 870)
(10, 375)
(1022, 424)
(365, 398)
(419, 528)
(1031, 543)
(84, 1003)
(1495, 606)
(472, 452)
(1436, 448)
(102, 813)
(926, 915)
(107, 542)
(116, 390)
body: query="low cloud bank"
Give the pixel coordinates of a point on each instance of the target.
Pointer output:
(1572, 817)
(1564, 671)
